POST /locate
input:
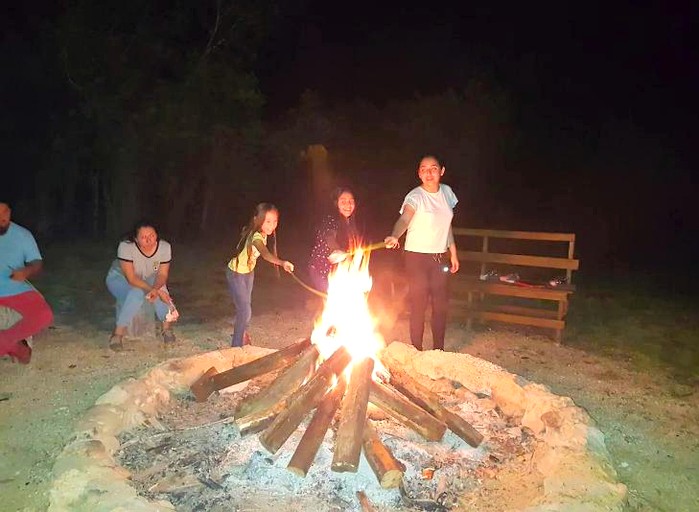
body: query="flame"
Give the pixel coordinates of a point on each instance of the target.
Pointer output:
(346, 320)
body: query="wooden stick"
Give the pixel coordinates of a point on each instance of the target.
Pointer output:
(285, 384)
(348, 441)
(364, 502)
(209, 383)
(406, 412)
(304, 400)
(429, 401)
(308, 447)
(388, 470)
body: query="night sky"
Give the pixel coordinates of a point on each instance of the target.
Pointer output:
(565, 68)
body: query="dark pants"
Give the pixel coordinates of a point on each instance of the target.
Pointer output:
(427, 280)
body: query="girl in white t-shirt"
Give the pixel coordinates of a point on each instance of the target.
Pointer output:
(240, 272)
(430, 251)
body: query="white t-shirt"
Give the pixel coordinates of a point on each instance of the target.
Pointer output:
(428, 231)
(144, 266)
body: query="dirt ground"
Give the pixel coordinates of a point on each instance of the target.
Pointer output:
(651, 424)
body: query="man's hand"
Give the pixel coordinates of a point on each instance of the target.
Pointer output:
(20, 274)
(288, 266)
(152, 295)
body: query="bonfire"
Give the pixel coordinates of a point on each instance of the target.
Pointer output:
(337, 372)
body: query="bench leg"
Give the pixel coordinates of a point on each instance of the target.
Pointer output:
(562, 311)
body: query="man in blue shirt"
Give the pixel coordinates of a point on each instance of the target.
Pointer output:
(24, 310)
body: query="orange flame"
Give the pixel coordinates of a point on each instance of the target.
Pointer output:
(346, 320)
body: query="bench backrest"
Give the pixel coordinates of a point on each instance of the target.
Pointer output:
(484, 256)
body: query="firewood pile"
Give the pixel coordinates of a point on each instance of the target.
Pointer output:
(335, 387)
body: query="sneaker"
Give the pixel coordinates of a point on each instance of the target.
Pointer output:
(168, 337)
(116, 343)
(22, 353)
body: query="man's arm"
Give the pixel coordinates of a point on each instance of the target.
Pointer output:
(30, 270)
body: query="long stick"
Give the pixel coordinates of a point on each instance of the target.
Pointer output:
(308, 447)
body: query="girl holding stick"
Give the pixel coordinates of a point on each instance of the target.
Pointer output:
(240, 272)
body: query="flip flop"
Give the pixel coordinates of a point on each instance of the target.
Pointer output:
(116, 343)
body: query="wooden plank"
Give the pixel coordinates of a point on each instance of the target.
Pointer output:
(522, 260)
(509, 290)
(513, 310)
(518, 235)
(549, 323)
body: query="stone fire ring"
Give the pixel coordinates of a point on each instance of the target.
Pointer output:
(575, 467)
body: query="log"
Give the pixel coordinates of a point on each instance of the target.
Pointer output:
(303, 401)
(256, 422)
(388, 470)
(285, 384)
(308, 447)
(201, 389)
(364, 502)
(429, 401)
(406, 412)
(348, 440)
(208, 383)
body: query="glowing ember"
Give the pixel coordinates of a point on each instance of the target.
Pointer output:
(346, 320)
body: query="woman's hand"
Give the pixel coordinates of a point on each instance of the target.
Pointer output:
(288, 266)
(391, 242)
(164, 296)
(454, 264)
(152, 295)
(337, 256)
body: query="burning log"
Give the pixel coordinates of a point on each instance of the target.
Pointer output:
(308, 447)
(257, 422)
(430, 402)
(283, 385)
(388, 470)
(303, 401)
(212, 381)
(406, 412)
(348, 441)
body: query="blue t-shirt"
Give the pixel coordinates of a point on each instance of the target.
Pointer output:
(17, 248)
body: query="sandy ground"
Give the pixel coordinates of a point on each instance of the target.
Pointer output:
(651, 424)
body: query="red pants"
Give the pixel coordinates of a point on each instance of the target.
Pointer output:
(36, 316)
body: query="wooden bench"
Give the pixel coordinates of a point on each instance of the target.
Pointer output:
(532, 301)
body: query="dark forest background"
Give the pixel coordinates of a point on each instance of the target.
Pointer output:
(192, 112)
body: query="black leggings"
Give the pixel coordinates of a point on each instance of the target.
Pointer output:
(428, 279)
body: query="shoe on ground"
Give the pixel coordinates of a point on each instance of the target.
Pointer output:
(169, 337)
(116, 343)
(22, 352)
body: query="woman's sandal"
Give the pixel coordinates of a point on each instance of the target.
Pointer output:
(168, 336)
(116, 343)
